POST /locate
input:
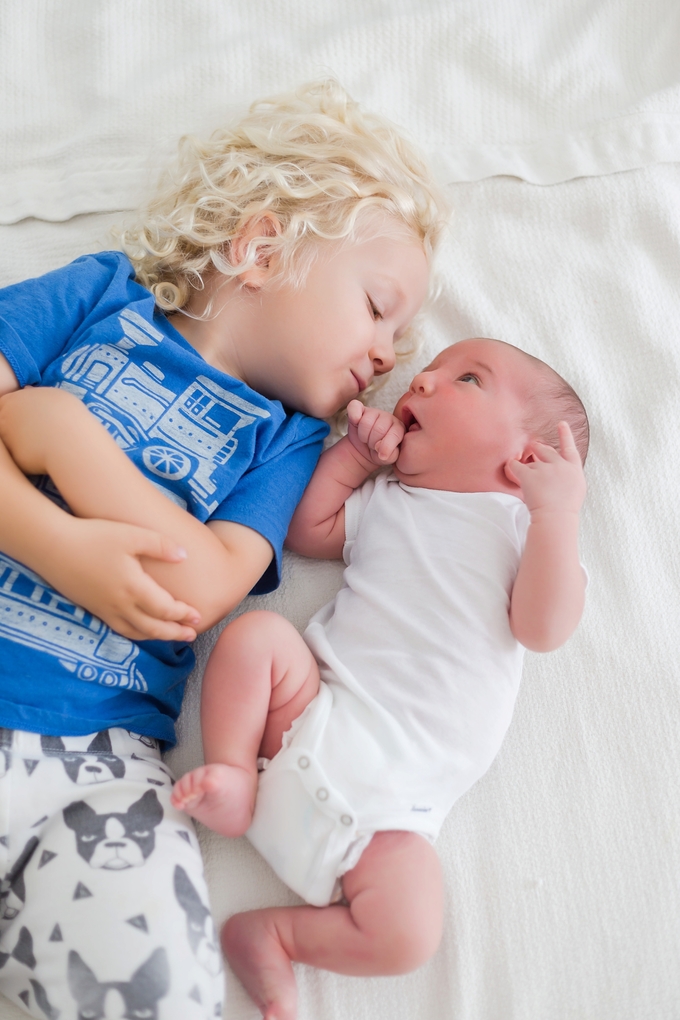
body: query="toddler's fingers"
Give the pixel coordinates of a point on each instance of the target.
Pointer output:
(156, 546)
(153, 600)
(160, 630)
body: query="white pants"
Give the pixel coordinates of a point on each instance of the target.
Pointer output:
(103, 906)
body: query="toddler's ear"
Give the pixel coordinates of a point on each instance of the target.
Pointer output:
(256, 230)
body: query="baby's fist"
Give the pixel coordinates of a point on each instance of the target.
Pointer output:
(374, 433)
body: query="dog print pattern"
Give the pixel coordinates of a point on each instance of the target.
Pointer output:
(103, 904)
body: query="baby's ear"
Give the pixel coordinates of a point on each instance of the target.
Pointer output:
(256, 230)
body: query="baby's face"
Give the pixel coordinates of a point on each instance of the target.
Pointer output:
(463, 416)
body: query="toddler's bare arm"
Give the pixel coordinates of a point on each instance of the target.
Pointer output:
(48, 431)
(549, 591)
(318, 525)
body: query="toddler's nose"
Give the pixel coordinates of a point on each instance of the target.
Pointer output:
(383, 357)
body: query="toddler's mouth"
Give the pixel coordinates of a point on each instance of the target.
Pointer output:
(361, 383)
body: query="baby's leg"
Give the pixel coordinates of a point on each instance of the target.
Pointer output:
(392, 925)
(260, 677)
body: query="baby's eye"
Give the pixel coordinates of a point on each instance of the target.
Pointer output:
(469, 377)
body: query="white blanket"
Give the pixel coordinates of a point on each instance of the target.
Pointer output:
(95, 95)
(561, 864)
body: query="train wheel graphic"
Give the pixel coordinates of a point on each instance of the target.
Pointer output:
(166, 462)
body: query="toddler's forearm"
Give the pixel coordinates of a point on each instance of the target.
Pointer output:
(549, 591)
(51, 432)
(318, 524)
(30, 525)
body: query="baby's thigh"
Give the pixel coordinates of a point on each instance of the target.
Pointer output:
(396, 892)
(106, 910)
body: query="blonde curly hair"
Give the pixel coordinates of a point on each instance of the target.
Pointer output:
(310, 161)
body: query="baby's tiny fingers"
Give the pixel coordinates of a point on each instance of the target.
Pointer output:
(355, 410)
(544, 452)
(388, 447)
(511, 470)
(568, 447)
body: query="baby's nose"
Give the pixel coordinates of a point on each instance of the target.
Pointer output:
(422, 383)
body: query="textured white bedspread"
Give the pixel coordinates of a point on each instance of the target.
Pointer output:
(562, 864)
(96, 94)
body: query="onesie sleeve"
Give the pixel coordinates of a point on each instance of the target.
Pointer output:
(38, 317)
(355, 505)
(266, 495)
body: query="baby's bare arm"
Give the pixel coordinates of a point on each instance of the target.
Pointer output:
(48, 431)
(549, 592)
(318, 525)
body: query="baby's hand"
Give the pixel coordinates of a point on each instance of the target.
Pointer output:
(98, 567)
(374, 433)
(554, 480)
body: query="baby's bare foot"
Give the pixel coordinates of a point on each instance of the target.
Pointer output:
(220, 796)
(260, 962)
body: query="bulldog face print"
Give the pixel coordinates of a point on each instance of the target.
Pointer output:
(98, 765)
(118, 840)
(12, 888)
(150, 742)
(200, 928)
(136, 999)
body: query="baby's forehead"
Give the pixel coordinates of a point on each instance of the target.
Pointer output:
(487, 352)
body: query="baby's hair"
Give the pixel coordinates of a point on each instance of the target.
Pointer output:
(311, 160)
(553, 400)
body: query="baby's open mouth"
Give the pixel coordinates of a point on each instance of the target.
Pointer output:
(411, 423)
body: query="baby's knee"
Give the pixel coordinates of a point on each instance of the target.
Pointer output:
(405, 918)
(256, 627)
(411, 943)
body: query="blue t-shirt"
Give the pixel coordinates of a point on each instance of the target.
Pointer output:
(209, 442)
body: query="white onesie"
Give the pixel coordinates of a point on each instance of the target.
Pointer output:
(419, 674)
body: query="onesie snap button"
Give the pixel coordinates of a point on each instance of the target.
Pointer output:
(303, 762)
(346, 819)
(322, 793)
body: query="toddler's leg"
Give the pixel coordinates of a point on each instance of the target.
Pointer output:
(105, 910)
(260, 677)
(392, 925)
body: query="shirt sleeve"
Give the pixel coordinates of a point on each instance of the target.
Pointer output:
(355, 504)
(38, 317)
(266, 496)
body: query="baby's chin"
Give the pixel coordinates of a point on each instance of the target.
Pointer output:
(451, 481)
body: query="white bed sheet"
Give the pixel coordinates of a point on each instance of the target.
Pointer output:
(96, 94)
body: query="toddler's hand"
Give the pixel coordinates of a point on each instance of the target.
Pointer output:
(98, 567)
(554, 480)
(374, 433)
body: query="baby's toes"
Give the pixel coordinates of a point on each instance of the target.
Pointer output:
(187, 789)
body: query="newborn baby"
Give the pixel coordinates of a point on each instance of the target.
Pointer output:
(368, 729)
